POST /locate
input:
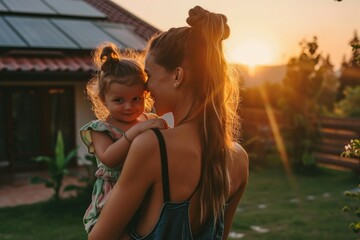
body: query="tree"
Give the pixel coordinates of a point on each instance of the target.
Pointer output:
(355, 57)
(309, 87)
(349, 106)
(350, 71)
(327, 85)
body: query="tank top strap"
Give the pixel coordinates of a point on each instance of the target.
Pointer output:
(164, 165)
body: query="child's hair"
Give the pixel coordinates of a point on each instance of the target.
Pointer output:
(113, 66)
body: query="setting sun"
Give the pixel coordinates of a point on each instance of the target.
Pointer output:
(252, 52)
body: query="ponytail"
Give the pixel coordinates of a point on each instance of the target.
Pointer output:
(214, 93)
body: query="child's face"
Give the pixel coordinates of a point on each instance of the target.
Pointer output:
(125, 103)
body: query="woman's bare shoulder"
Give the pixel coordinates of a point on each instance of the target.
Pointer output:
(143, 156)
(240, 155)
(239, 166)
(144, 143)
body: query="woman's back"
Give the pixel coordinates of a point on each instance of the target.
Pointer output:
(184, 169)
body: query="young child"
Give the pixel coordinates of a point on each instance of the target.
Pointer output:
(117, 94)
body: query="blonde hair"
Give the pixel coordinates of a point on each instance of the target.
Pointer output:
(113, 66)
(215, 92)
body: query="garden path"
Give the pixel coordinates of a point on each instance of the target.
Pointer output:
(19, 190)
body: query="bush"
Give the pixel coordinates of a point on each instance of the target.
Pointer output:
(350, 105)
(353, 150)
(57, 167)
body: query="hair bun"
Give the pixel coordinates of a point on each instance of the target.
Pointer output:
(197, 16)
(108, 53)
(200, 18)
(108, 57)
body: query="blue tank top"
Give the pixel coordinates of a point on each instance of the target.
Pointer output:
(174, 221)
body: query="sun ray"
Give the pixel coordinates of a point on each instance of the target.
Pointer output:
(280, 145)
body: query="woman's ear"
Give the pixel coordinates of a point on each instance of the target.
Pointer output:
(179, 76)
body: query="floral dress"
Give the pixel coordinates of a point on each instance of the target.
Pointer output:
(105, 177)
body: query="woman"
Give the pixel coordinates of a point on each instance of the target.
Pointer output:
(184, 182)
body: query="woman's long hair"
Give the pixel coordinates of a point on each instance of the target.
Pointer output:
(215, 93)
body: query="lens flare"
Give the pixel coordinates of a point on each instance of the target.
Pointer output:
(279, 142)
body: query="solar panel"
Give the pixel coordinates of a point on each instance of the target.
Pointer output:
(8, 37)
(74, 8)
(83, 32)
(3, 8)
(40, 32)
(28, 6)
(124, 34)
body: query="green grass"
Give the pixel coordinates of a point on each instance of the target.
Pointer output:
(320, 218)
(317, 214)
(45, 221)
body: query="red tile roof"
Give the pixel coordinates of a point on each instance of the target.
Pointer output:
(46, 64)
(117, 14)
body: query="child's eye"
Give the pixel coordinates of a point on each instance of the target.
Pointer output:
(119, 100)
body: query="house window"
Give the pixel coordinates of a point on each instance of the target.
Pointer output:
(30, 119)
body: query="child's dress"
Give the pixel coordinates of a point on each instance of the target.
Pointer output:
(105, 177)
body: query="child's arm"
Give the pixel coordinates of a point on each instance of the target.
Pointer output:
(130, 190)
(113, 154)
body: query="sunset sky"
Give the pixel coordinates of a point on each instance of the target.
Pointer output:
(265, 32)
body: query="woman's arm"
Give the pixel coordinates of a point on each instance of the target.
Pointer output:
(113, 154)
(138, 175)
(241, 170)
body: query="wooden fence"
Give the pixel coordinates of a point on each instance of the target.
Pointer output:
(335, 132)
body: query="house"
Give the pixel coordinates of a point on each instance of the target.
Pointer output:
(45, 62)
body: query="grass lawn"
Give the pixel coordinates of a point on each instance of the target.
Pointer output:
(311, 209)
(270, 204)
(45, 221)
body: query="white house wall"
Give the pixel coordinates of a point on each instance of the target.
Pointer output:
(83, 115)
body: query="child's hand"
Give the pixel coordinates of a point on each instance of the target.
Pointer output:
(151, 123)
(143, 126)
